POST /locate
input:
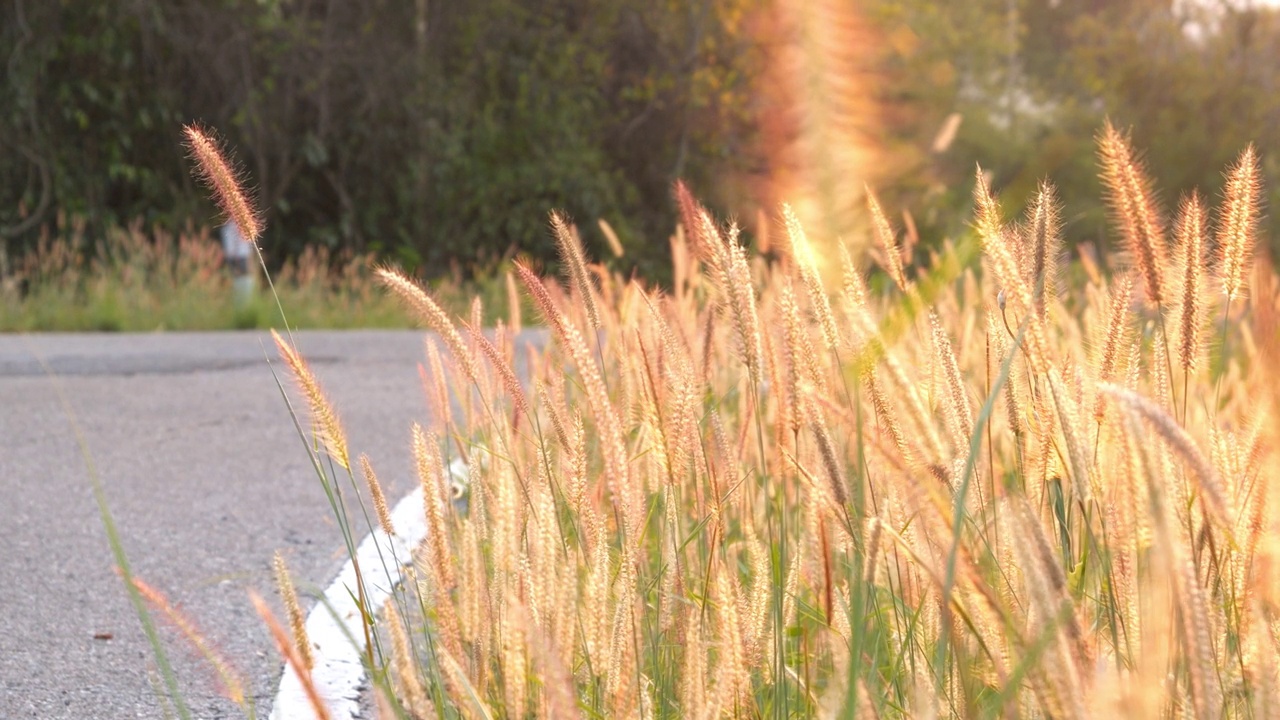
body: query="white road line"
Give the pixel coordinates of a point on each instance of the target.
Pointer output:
(332, 624)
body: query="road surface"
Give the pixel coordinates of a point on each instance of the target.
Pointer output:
(206, 477)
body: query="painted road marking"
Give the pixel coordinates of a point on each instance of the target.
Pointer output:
(334, 624)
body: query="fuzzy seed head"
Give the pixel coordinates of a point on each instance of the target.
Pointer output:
(1117, 333)
(416, 298)
(1238, 224)
(297, 621)
(220, 177)
(1045, 240)
(1189, 236)
(376, 495)
(574, 258)
(291, 656)
(230, 680)
(1134, 208)
(324, 418)
(887, 241)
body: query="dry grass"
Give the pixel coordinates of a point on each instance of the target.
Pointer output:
(733, 500)
(970, 491)
(132, 280)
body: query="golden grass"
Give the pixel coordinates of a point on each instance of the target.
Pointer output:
(297, 621)
(966, 491)
(230, 681)
(288, 650)
(326, 426)
(709, 517)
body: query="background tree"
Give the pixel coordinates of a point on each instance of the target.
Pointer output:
(439, 134)
(1033, 80)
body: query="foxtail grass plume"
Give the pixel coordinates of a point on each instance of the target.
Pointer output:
(297, 620)
(1044, 242)
(575, 261)
(820, 125)
(324, 418)
(727, 261)
(853, 286)
(959, 414)
(291, 657)
(430, 467)
(1210, 483)
(885, 417)
(1238, 223)
(794, 383)
(515, 314)
(987, 218)
(220, 176)
(230, 680)
(500, 364)
(888, 242)
(836, 482)
(1060, 672)
(1002, 247)
(606, 416)
(407, 676)
(802, 255)
(376, 495)
(1134, 207)
(1189, 234)
(414, 296)
(611, 237)
(695, 225)
(1114, 340)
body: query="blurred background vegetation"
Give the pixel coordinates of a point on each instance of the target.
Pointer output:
(437, 135)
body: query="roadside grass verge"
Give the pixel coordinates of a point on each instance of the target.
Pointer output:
(135, 281)
(986, 487)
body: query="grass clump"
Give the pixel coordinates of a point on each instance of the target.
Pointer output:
(743, 499)
(982, 491)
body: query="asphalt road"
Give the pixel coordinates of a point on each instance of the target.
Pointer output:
(206, 477)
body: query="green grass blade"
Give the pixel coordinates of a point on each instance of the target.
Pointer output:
(975, 446)
(117, 549)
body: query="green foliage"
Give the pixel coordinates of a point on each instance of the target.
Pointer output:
(438, 134)
(522, 136)
(1034, 79)
(432, 133)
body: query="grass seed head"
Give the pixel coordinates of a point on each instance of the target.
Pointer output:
(1115, 340)
(228, 677)
(415, 297)
(1045, 240)
(1238, 222)
(297, 620)
(574, 259)
(1134, 208)
(887, 240)
(802, 255)
(291, 657)
(324, 417)
(1189, 234)
(220, 176)
(376, 495)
